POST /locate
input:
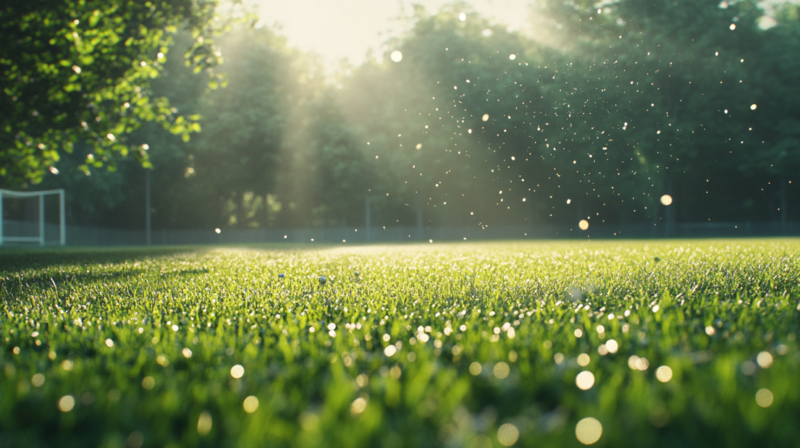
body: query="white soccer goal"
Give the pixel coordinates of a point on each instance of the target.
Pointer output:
(40, 238)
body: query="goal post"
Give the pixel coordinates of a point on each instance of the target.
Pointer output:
(40, 238)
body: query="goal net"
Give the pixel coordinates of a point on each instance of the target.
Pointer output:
(32, 217)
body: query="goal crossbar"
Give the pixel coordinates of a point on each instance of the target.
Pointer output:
(31, 194)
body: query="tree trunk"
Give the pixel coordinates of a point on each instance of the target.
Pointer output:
(670, 214)
(368, 217)
(420, 234)
(147, 210)
(783, 205)
(529, 218)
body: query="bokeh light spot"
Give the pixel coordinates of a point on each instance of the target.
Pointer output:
(508, 434)
(584, 380)
(250, 404)
(764, 398)
(237, 371)
(588, 431)
(66, 403)
(475, 368)
(37, 380)
(664, 374)
(204, 423)
(501, 370)
(148, 382)
(358, 406)
(764, 360)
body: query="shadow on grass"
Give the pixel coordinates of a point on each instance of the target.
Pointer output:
(13, 259)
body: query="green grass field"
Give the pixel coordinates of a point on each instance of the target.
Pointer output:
(553, 344)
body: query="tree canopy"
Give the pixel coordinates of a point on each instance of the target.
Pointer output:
(80, 70)
(596, 115)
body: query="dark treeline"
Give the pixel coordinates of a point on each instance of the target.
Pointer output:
(595, 114)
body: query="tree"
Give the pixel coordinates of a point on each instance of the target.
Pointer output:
(423, 117)
(775, 120)
(80, 70)
(665, 87)
(246, 151)
(338, 169)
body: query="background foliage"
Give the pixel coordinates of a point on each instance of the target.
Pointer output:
(596, 112)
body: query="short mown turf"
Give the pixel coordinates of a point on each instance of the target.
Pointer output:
(674, 343)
